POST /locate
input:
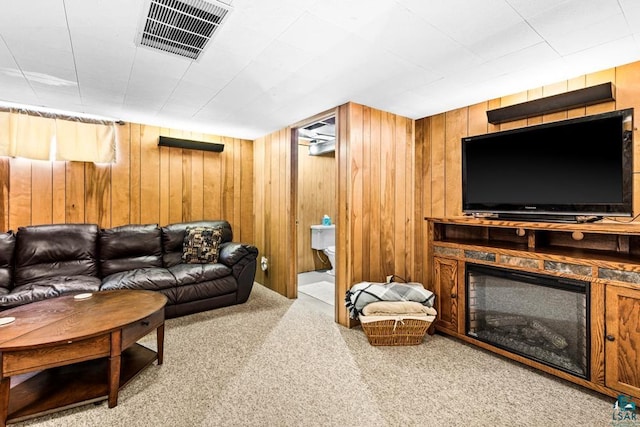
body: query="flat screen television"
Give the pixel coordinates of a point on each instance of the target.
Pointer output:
(575, 169)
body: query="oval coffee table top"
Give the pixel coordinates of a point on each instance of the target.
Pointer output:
(67, 318)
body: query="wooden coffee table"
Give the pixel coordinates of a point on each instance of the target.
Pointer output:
(83, 350)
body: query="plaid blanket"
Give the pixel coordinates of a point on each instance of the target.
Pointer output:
(364, 293)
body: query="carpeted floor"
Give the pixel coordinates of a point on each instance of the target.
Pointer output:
(276, 362)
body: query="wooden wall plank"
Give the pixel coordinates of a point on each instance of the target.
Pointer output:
(246, 231)
(120, 179)
(197, 181)
(98, 194)
(150, 175)
(375, 215)
(41, 192)
(212, 203)
(260, 230)
(455, 130)
(367, 188)
(356, 183)
(75, 193)
(20, 194)
(135, 165)
(227, 179)
(58, 188)
(438, 153)
(344, 279)
(187, 195)
(5, 179)
(402, 193)
(387, 193)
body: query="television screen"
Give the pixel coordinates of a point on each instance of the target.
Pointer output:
(576, 167)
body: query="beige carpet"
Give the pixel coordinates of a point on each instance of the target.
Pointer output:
(275, 362)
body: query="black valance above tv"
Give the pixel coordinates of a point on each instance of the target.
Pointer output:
(551, 104)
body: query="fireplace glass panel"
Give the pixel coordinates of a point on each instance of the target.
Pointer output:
(543, 318)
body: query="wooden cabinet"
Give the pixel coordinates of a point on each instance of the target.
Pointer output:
(445, 277)
(606, 255)
(622, 345)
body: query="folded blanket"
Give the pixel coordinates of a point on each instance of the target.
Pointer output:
(364, 293)
(394, 308)
(397, 319)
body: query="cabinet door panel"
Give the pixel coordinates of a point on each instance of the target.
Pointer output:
(622, 346)
(446, 288)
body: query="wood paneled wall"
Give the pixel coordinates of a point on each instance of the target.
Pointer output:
(147, 184)
(316, 197)
(376, 196)
(438, 146)
(275, 207)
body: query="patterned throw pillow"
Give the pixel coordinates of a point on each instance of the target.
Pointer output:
(201, 245)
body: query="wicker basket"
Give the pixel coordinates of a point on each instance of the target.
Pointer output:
(396, 332)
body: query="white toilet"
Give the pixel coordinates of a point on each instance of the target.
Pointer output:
(323, 238)
(330, 252)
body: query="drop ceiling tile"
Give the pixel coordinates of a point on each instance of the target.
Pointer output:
(504, 41)
(406, 35)
(631, 10)
(528, 8)
(354, 15)
(191, 94)
(613, 28)
(464, 25)
(313, 35)
(573, 15)
(604, 56)
(281, 55)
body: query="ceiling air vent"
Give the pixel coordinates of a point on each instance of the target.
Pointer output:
(181, 27)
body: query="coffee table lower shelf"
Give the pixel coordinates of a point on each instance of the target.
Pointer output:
(65, 387)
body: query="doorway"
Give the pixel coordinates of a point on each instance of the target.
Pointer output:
(316, 209)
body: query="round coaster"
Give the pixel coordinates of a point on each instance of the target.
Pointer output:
(82, 296)
(6, 320)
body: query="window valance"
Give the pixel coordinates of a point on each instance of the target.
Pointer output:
(45, 136)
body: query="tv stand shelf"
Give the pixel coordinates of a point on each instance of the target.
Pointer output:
(606, 254)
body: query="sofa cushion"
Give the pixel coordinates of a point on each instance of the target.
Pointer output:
(130, 247)
(187, 274)
(201, 245)
(173, 238)
(7, 246)
(152, 279)
(60, 250)
(49, 287)
(203, 290)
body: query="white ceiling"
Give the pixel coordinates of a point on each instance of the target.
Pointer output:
(276, 62)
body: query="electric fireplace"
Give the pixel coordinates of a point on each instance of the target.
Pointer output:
(543, 318)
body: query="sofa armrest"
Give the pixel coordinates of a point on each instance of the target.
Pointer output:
(242, 260)
(232, 253)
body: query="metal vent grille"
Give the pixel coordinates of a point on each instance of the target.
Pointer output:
(181, 27)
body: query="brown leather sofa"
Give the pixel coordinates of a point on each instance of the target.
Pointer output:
(46, 261)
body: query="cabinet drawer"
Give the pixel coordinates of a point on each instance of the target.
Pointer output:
(19, 362)
(135, 331)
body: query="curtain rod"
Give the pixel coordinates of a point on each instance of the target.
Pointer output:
(62, 116)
